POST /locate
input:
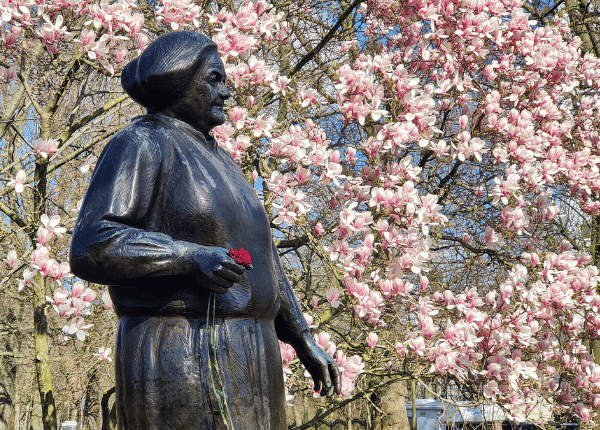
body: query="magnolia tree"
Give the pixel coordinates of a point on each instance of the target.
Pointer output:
(418, 160)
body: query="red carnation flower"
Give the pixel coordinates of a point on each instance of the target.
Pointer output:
(242, 257)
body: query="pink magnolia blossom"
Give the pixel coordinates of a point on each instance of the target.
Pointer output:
(7, 75)
(78, 328)
(27, 278)
(287, 352)
(319, 229)
(10, 38)
(40, 259)
(493, 240)
(89, 164)
(44, 235)
(50, 147)
(315, 302)
(104, 354)
(51, 33)
(107, 301)
(51, 227)
(59, 296)
(372, 339)
(417, 345)
(323, 339)
(309, 320)
(11, 258)
(79, 307)
(333, 295)
(64, 310)
(121, 52)
(77, 289)
(19, 181)
(280, 85)
(88, 295)
(58, 270)
(39, 146)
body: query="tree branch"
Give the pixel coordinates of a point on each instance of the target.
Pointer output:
(292, 243)
(11, 108)
(471, 248)
(566, 234)
(326, 39)
(77, 152)
(83, 121)
(149, 16)
(34, 102)
(267, 97)
(106, 411)
(12, 215)
(541, 16)
(60, 93)
(362, 394)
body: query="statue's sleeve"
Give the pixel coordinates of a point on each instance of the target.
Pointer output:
(110, 243)
(290, 325)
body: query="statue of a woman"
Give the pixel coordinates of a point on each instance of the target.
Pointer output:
(197, 336)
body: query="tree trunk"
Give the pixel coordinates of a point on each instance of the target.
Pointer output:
(577, 9)
(595, 253)
(16, 425)
(297, 417)
(42, 356)
(392, 402)
(109, 414)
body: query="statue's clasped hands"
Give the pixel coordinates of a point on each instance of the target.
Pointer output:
(215, 269)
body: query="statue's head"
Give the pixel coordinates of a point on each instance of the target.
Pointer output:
(181, 75)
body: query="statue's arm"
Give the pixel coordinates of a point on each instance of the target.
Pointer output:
(291, 327)
(110, 244)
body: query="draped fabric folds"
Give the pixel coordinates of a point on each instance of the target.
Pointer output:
(169, 357)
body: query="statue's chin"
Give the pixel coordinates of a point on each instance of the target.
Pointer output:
(217, 116)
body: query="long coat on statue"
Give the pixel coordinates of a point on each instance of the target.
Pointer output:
(158, 187)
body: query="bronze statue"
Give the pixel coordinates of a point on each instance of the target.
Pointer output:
(197, 336)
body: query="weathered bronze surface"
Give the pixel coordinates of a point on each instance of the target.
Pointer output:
(164, 207)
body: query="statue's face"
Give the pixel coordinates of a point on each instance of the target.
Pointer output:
(210, 90)
(202, 106)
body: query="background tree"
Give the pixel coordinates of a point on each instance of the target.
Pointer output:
(415, 157)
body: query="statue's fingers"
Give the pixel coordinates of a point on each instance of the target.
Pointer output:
(214, 287)
(326, 380)
(232, 265)
(221, 282)
(218, 289)
(211, 283)
(337, 378)
(331, 386)
(229, 275)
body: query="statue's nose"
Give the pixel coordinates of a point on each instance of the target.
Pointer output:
(224, 91)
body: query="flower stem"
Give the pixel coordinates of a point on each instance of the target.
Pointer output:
(216, 377)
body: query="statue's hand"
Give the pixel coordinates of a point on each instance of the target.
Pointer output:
(215, 269)
(322, 368)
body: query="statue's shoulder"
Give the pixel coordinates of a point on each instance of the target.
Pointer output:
(147, 133)
(146, 128)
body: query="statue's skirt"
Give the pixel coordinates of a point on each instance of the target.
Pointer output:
(169, 369)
